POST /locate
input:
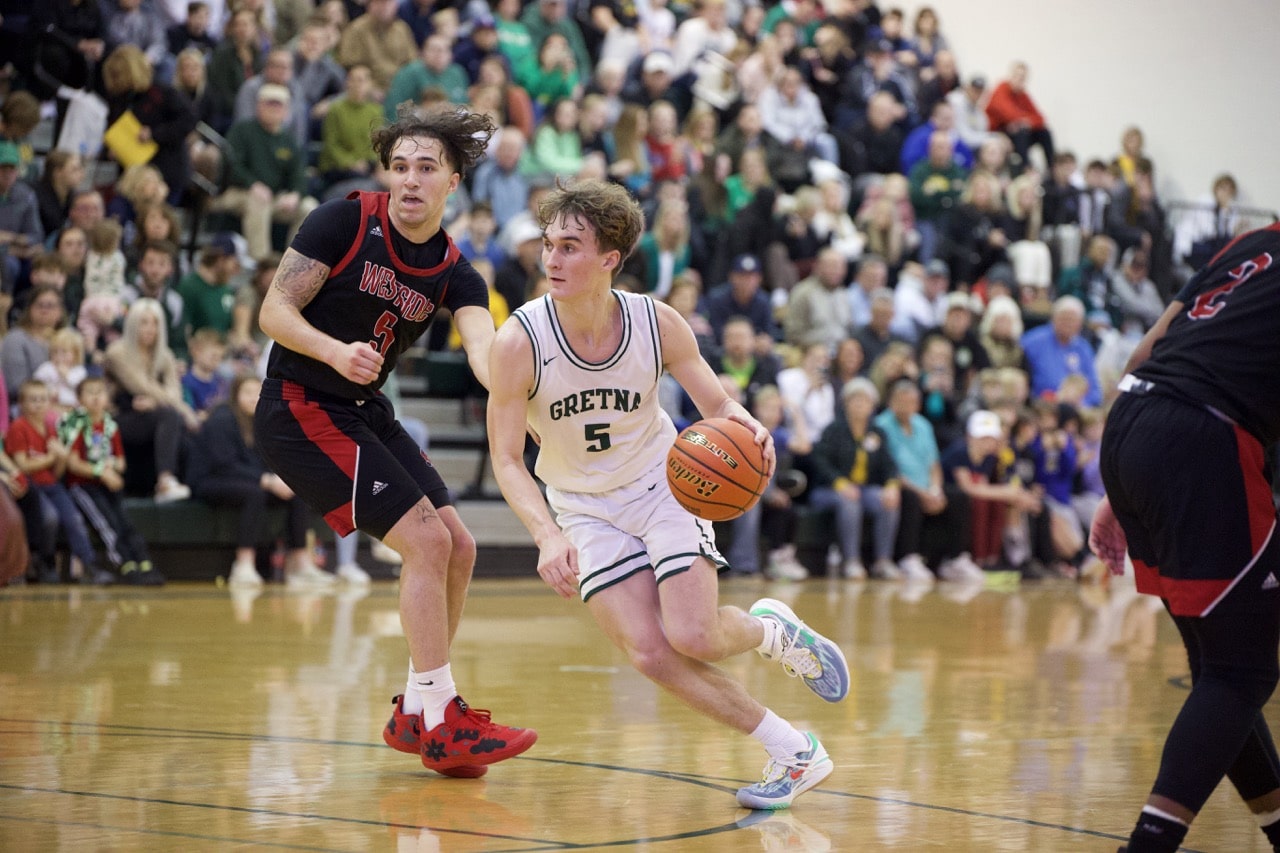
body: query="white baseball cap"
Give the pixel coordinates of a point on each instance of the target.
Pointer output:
(984, 424)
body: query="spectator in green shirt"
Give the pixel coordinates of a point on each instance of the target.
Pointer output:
(544, 17)
(206, 291)
(266, 171)
(435, 70)
(346, 147)
(935, 185)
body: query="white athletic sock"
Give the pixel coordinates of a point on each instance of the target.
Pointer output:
(771, 646)
(779, 738)
(435, 689)
(1267, 818)
(412, 702)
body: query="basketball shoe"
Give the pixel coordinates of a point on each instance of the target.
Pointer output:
(785, 779)
(805, 653)
(403, 732)
(469, 737)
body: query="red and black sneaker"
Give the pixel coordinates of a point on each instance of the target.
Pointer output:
(468, 737)
(403, 732)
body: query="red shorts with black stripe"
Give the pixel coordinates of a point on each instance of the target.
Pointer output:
(1193, 493)
(351, 462)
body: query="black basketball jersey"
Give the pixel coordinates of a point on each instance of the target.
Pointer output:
(372, 295)
(1223, 348)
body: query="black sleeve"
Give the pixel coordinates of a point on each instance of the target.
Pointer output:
(329, 231)
(466, 288)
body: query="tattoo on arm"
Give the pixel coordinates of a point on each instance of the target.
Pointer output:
(299, 278)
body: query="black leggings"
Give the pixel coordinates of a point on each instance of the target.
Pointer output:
(1220, 729)
(253, 502)
(161, 428)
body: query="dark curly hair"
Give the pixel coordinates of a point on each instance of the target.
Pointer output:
(610, 210)
(462, 134)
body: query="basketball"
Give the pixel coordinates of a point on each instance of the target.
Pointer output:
(716, 470)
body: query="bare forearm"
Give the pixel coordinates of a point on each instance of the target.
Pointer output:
(523, 496)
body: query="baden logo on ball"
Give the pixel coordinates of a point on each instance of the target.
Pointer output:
(716, 470)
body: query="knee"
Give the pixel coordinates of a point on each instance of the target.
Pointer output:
(655, 661)
(697, 641)
(427, 548)
(463, 547)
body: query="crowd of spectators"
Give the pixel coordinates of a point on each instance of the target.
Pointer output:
(893, 262)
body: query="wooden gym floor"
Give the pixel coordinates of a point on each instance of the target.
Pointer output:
(1014, 719)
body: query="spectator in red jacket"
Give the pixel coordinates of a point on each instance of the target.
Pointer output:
(1012, 112)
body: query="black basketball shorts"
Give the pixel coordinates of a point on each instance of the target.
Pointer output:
(352, 463)
(1193, 493)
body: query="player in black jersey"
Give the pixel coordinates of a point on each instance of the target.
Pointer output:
(361, 281)
(1185, 459)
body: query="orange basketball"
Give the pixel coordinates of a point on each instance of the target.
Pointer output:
(716, 470)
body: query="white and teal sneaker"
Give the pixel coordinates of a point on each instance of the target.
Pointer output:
(805, 653)
(785, 779)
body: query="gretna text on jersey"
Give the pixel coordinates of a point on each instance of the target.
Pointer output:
(593, 399)
(381, 282)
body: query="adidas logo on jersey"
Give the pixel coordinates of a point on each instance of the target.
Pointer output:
(378, 486)
(376, 231)
(1270, 582)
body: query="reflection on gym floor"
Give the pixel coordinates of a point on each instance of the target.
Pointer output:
(992, 718)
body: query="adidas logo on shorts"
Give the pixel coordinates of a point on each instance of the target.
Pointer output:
(1270, 582)
(378, 486)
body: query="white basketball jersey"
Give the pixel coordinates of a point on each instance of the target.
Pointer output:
(600, 423)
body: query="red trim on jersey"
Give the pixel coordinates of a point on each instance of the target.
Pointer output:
(375, 204)
(367, 206)
(1257, 493)
(451, 253)
(1275, 226)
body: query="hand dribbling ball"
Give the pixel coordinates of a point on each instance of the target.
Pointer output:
(716, 470)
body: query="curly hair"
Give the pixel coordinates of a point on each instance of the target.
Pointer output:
(462, 134)
(608, 208)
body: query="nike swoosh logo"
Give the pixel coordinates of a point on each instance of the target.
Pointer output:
(427, 683)
(547, 361)
(654, 486)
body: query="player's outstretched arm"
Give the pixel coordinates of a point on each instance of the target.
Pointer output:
(298, 280)
(511, 377)
(682, 360)
(475, 325)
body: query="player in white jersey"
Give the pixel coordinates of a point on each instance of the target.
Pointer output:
(580, 369)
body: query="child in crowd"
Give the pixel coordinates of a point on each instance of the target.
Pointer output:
(972, 467)
(43, 458)
(1072, 390)
(64, 371)
(205, 385)
(1053, 453)
(95, 480)
(478, 241)
(41, 538)
(104, 283)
